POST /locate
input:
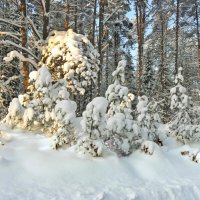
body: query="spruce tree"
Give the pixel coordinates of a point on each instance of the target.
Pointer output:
(121, 137)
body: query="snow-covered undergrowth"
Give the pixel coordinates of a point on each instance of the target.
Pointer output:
(30, 169)
(46, 107)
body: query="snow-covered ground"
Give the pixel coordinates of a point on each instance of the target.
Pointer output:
(31, 170)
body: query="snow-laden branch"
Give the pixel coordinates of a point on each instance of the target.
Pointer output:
(13, 35)
(14, 54)
(20, 47)
(35, 31)
(9, 22)
(105, 47)
(10, 79)
(112, 14)
(43, 7)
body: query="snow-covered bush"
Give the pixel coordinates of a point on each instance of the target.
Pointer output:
(94, 121)
(88, 147)
(46, 107)
(64, 123)
(94, 125)
(180, 125)
(148, 147)
(4, 137)
(149, 120)
(37, 101)
(71, 56)
(15, 113)
(121, 136)
(192, 153)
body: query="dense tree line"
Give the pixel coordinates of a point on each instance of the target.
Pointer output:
(154, 37)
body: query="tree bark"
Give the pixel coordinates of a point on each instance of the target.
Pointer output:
(67, 21)
(75, 15)
(45, 9)
(101, 18)
(177, 37)
(94, 22)
(198, 36)
(93, 40)
(107, 59)
(116, 46)
(25, 70)
(140, 7)
(162, 48)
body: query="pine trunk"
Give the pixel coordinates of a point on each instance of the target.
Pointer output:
(177, 37)
(140, 20)
(75, 15)
(94, 22)
(198, 36)
(25, 71)
(45, 9)
(162, 48)
(101, 18)
(93, 40)
(67, 22)
(107, 59)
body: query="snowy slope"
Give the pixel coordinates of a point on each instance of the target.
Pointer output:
(31, 170)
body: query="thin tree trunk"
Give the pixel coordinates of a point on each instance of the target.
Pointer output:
(140, 20)
(25, 71)
(94, 22)
(143, 15)
(67, 22)
(116, 35)
(101, 18)
(107, 59)
(93, 40)
(75, 15)
(198, 36)
(177, 37)
(45, 9)
(162, 48)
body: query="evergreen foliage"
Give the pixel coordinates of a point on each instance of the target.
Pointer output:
(121, 136)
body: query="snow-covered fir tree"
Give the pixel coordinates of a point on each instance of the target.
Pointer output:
(64, 123)
(148, 77)
(71, 56)
(46, 107)
(121, 136)
(149, 120)
(94, 126)
(181, 123)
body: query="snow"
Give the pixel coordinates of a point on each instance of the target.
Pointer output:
(33, 75)
(93, 121)
(28, 115)
(30, 169)
(71, 56)
(116, 122)
(142, 107)
(65, 106)
(44, 78)
(120, 71)
(100, 105)
(148, 147)
(15, 107)
(15, 54)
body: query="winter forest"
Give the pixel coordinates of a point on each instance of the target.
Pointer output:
(100, 99)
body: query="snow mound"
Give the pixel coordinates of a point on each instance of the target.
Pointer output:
(148, 147)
